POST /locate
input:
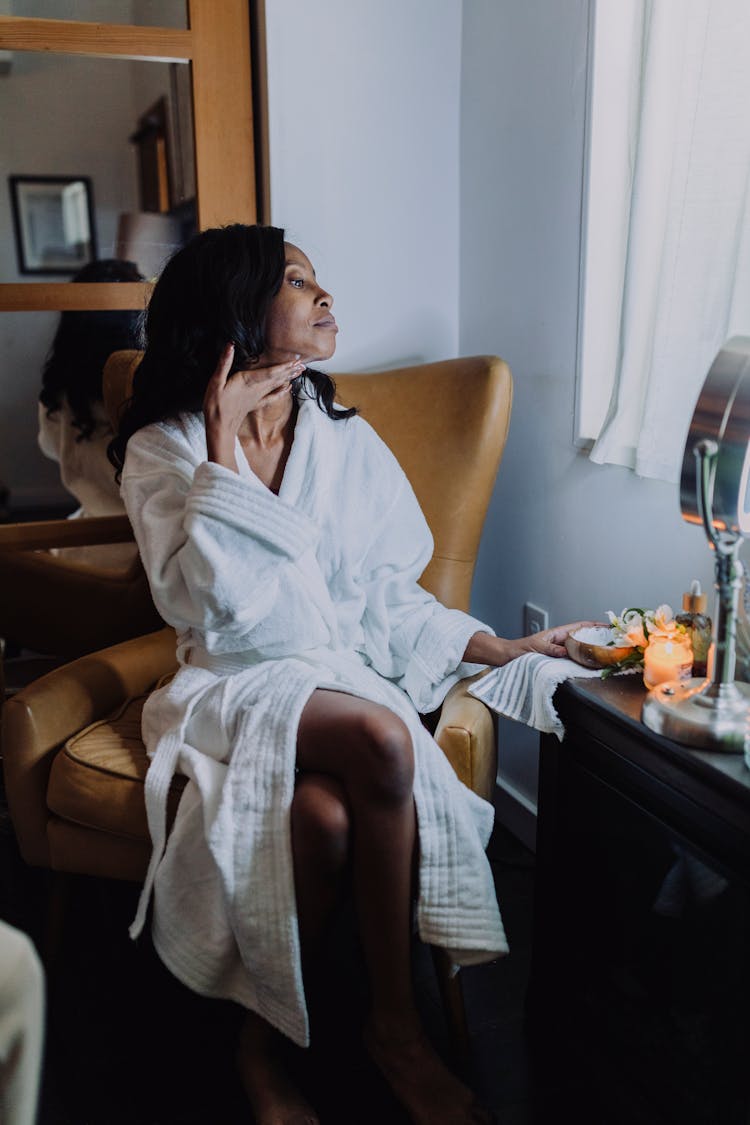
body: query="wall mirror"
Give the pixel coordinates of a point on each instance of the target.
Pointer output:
(67, 116)
(76, 114)
(80, 83)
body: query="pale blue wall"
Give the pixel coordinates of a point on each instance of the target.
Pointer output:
(364, 106)
(571, 536)
(418, 147)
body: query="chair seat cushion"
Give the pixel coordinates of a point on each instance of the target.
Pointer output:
(97, 778)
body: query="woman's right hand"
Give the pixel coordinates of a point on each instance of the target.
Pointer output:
(230, 398)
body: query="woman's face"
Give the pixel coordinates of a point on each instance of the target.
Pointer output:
(299, 320)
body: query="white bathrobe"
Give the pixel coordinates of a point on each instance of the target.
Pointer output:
(88, 475)
(273, 597)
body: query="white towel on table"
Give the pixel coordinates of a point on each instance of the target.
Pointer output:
(523, 689)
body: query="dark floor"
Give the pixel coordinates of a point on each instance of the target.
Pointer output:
(128, 1045)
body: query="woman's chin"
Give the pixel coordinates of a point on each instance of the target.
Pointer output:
(322, 355)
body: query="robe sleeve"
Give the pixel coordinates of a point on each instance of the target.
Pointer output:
(410, 637)
(217, 550)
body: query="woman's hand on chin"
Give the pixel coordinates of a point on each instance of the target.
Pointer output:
(230, 398)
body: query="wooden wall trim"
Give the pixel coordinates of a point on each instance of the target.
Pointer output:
(63, 296)
(223, 113)
(154, 44)
(259, 56)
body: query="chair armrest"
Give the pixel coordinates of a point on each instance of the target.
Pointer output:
(84, 532)
(466, 734)
(40, 718)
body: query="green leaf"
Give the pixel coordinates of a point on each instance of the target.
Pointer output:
(632, 660)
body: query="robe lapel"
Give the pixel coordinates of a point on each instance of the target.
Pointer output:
(312, 464)
(305, 493)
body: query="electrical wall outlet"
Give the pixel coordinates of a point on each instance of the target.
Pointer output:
(535, 620)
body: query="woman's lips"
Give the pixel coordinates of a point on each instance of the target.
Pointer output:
(327, 322)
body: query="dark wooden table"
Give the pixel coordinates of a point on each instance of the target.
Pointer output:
(640, 988)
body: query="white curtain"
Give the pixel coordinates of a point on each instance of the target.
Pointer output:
(686, 219)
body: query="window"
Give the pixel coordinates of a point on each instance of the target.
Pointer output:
(665, 269)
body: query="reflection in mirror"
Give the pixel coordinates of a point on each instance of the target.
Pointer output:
(74, 116)
(146, 13)
(28, 476)
(79, 343)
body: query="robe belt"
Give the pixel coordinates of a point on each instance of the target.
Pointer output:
(229, 663)
(158, 780)
(161, 770)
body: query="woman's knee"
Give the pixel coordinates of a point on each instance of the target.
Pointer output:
(365, 746)
(320, 823)
(386, 756)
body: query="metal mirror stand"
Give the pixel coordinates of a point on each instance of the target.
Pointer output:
(714, 713)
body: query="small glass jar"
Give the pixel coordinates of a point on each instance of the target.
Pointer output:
(697, 625)
(667, 658)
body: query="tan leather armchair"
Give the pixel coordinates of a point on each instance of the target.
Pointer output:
(73, 758)
(79, 808)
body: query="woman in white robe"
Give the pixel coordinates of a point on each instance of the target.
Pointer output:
(284, 543)
(74, 428)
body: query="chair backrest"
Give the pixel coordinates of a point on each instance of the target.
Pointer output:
(446, 423)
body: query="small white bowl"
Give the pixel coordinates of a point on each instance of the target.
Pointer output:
(596, 650)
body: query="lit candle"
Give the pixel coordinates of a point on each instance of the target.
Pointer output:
(667, 658)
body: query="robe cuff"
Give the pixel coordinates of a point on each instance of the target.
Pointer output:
(442, 642)
(221, 494)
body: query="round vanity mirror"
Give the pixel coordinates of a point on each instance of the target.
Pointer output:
(714, 713)
(722, 416)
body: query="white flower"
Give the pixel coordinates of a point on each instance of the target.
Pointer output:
(627, 629)
(660, 622)
(634, 628)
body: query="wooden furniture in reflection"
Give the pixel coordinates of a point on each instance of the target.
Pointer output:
(151, 139)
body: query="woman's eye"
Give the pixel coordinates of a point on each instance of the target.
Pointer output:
(297, 282)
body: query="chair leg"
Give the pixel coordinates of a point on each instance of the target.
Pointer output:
(453, 1005)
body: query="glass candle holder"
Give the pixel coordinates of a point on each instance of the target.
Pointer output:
(667, 658)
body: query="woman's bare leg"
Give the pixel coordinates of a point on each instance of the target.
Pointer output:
(274, 1097)
(368, 750)
(320, 844)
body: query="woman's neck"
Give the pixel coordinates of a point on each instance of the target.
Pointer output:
(267, 442)
(270, 425)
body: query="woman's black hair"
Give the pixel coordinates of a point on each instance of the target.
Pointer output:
(81, 345)
(217, 288)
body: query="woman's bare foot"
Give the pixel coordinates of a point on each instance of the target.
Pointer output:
(274, 1098)
(416, 1074)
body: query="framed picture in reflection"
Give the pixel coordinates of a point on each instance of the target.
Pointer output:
(53, 222)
